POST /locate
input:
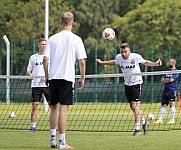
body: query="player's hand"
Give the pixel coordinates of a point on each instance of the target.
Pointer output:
(80, 84)
(159, 62)
(98, 61)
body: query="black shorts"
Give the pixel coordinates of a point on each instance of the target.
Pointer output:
(168, 95)
(61, 91)
(37, 93)
(133, 93)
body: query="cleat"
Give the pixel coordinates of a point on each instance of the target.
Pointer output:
(33, 129)
(145, 128)
(65, 146)
(171, 122)
(158, 122)
(53, 143)
(57, 129)
(136, 133)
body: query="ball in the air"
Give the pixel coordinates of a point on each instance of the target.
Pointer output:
(12, 114)
(108, 34)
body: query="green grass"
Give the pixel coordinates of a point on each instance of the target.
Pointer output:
(87, 117)
(155, 140)
(90, 117)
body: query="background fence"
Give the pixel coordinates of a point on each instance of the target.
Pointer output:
(22, 50)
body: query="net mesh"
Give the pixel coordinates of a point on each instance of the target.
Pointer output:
(100, 106)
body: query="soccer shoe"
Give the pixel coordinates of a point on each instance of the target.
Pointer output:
(171, 122)
(53, 143)
(65, 146)
(158, 122)
(33, 129)
(145, 128)
(136, 133)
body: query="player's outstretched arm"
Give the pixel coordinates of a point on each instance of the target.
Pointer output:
(108, 62)
(150, 63)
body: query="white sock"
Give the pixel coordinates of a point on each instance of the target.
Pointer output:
(33, 125)
(62, 138)
(172, 112)
(137, 126)
(53, 132)
(162, 112)
(143, 120)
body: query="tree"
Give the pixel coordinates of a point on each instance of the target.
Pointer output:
(94, 16)
(153, 25)
(27, 21)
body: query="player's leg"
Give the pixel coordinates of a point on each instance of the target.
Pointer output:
(135, 106)
(46, 93)
(66, 99)
(138, 112)
(172, 108)
(53, 124)
(54, 102)
(164, 103)
(133, 94)
(36, 95)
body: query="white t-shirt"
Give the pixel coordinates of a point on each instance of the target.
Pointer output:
(63, 49)
(131, 65)
(35, 65)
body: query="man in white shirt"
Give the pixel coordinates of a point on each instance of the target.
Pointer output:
(63, 49)
(35, 69)
(129, 63)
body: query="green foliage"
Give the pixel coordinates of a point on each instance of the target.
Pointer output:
(156, 23)
(27, 20)
(145, 24)
(94, 16)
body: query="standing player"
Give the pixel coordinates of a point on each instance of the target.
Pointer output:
(169, 93)
(129, 63)
(63, 49)
(35, 69)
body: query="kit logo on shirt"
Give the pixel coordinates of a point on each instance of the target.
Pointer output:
(128, 67)
(38, 63)
(132, 62)
(168, 75)
(132, 66)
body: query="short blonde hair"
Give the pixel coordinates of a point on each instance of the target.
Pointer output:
(41, 39)
(66, 18)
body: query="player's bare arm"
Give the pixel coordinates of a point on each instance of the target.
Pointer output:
(80, 82)
(109, 62)
(45, 65)
(150, 63)
(167, 80)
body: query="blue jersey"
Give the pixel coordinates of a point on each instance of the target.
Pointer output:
(172, 85)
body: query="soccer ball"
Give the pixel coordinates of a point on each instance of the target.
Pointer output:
(12, 114)
(150, 116)
(108, 34)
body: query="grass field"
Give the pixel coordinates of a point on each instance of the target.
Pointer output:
(155, 140)
(91, 126)
(98, 117)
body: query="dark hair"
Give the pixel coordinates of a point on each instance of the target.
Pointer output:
(41, 39)
(124, 45)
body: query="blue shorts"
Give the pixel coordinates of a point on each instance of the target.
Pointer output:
(168, 95)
